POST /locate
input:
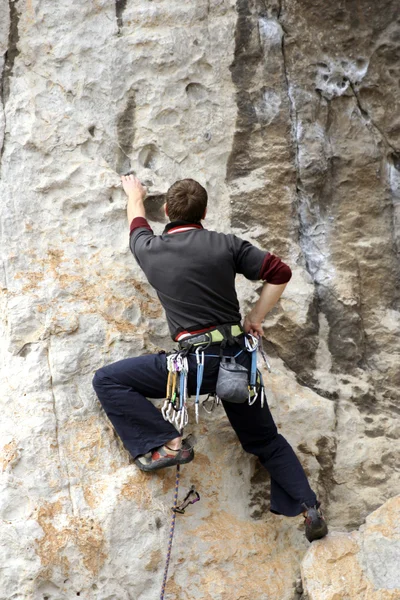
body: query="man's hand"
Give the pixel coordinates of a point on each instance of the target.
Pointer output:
(269, 296)
(133, 187)
(136, 193)
(250, 325)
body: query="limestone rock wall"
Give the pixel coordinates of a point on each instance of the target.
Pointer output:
(289, 114)
(360, 564)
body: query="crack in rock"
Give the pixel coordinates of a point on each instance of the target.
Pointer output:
(62, 463)
(369, 121)
(120, 6)
(12, 51)
(126, 132)
(9, 60)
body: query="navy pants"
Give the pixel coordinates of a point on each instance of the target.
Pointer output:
(123, 389)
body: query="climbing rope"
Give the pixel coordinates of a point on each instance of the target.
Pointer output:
(191, 498)
(171, 532)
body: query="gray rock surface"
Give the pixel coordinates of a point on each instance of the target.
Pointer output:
(289, 114)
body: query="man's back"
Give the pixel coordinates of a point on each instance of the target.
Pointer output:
(193, 271)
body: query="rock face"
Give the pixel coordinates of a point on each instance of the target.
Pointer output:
(361, 564)
(289, 114)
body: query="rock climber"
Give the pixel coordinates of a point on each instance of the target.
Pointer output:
(193, 271)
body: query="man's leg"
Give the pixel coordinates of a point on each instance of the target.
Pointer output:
(122, 388)
(258, 435)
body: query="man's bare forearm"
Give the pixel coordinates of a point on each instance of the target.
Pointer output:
(269, 296)
(135, 207)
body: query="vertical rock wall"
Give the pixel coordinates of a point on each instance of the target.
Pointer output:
(289, 114)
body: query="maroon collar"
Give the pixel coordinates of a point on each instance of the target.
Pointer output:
(177, 226)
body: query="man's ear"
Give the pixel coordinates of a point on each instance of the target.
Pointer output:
(204, 214)
(166, 209)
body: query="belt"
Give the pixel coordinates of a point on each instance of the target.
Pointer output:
(218, 335)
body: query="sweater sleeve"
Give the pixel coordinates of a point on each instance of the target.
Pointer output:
(274, 270)
(255, 264)
(248, 259)
(138, 222)
(140, 234)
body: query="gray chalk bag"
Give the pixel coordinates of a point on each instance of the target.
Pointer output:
(233, 381)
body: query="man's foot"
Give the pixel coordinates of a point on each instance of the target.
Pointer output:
(165, 457)
(316, 528)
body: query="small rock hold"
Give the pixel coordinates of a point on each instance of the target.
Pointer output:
(396, 160)
(299, 586)
(207, 136)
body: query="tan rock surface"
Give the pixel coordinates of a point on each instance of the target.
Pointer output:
(363, 564)
(288, 114)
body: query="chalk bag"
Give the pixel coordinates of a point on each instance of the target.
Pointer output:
(233, 381)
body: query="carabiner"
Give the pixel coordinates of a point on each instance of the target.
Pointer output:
(199, 378)
(253, 399)
(251, 342)
(164, 409)
(184, 418)
(199, 360)
(265, 357)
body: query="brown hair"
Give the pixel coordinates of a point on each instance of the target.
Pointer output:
(186, 201)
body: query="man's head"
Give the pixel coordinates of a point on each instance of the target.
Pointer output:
(186, 200)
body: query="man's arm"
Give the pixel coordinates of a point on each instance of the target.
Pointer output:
(269, 296)
(136, 194)
(255, 264)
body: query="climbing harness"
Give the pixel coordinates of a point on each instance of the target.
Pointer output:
(231, 383)
(217, 335)
(191, 497)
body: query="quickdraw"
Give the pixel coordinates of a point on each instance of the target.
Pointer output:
(174, 408)
(264, 357)
(199, 381)
(191, 498)
(251, 346)
(256, 383)
(211, 402)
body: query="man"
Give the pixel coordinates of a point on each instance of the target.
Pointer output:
(193, 272)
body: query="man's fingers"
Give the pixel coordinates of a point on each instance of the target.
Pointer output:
(129, 178)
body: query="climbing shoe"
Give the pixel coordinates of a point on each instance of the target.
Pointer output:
(162, 457)
(316, 528)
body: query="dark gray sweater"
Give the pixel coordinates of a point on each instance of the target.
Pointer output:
(193, 271)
